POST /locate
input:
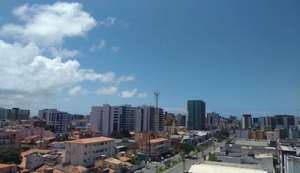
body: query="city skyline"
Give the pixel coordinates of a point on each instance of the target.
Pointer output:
(238, 57)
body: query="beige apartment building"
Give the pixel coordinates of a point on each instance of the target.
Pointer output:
(86, 151)
(9, 138)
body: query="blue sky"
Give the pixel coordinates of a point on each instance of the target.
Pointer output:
(237, 56)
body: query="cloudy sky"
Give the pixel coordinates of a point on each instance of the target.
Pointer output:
(237, 56)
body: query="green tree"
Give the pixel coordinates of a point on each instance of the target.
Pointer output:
(10, 155)
(125, 133)
(51, 128)
(71, 128)
(212, 157)
(186, 148)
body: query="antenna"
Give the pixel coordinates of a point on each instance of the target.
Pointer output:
(156, 96)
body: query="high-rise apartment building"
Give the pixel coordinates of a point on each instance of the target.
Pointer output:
(266, 123)
(14, 114)
(128, 117)
(196, 114)
(213, 120)
(181, 119)
(246, 121)
(149, 116)
(284, 121)
(59, 120)
(100, 119)
(114, 119)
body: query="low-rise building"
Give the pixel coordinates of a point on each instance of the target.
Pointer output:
(8, 168)
(9, 138)
(86, 151)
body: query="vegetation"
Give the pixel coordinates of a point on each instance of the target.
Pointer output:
(51, 128)
(123, 134)
(10, 155)
(136, 160)
(212, 157)
(71, 128)
(25, 147)
(221, 135)
(186, 148)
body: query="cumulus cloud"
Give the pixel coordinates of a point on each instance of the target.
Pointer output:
(49, 24)
(128, 94)
(28, 75)
(109, 21)
(24, 70)
(112, 90)
(77, 90)
(142, 95)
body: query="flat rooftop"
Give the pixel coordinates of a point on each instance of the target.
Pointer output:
(263, 156)
(223, 168)
(262, 143)
(157, 140)
(113, 161)
(91, 140)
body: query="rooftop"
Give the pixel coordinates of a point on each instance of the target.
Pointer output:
(75, 169)
(157, 140)
(261, 143)
(124, 159)
(208, 167)
(263, 156)
(91, 140)
(2, 165)
(287, 148)
(113, 161)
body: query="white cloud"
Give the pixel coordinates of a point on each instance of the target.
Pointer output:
(125, 79)
(109, 21)
(28, 75)
(77, 90)
(115, 48)
(112, 90)
(49, 24)
(23, 69)
(100, 46)
(128, 94)
(142, 95)
(64, 53)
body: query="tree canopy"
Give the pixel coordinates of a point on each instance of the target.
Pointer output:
(10, 155)
(186, 148)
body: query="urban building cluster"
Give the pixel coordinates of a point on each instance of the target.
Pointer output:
(127, 138)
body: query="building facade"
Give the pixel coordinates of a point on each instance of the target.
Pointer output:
(246, 121)
(213, 119)
(14, 114)
(196, 114)
(149, 116)
(86, 151)
(59, 120)
(9, 138)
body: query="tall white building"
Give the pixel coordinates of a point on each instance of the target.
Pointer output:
(100, 119)
(149, 116)
(59, 120)
(114, 119)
